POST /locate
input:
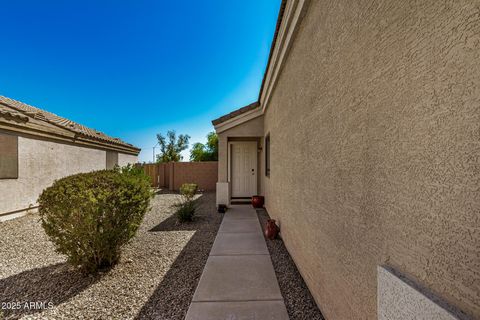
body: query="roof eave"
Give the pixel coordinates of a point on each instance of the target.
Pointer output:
(22, 112)
(290, 14)
(238, 120)
(285, 13)
(61, 135)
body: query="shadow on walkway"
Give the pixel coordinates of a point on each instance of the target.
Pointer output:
(52, 285)
(172, 297)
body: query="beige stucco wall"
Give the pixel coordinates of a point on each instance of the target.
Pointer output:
(124, 159)
(40, 162)
(375, 144)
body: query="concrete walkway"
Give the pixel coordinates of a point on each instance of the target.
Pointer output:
(238, 282)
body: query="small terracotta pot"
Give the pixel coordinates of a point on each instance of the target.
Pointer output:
(271, 229)
(258, 201)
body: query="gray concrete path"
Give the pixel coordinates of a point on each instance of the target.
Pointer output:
(238, 282)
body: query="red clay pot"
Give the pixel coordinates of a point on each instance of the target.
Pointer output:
(258, 201)
(271, 229)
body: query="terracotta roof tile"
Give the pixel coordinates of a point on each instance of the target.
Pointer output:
(21, 109)
(7, 113)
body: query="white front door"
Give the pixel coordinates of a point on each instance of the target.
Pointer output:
(244, 169)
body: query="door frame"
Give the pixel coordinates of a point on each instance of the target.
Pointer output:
(229, 164)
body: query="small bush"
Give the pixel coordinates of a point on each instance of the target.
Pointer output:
(188, 190)
(185, 209)
(134, 170)
(90, 216)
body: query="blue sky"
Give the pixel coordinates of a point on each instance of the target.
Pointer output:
(135, 68)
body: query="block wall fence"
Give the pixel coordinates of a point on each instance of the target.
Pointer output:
(173, 174)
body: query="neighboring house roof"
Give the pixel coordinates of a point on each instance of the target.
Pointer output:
(24, 116)
(236, 113)
(6, 113)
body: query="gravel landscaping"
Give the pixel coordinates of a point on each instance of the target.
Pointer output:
(298, 299)
(155, 279)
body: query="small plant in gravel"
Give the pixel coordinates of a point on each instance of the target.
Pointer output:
(90, 216)
(185, 209)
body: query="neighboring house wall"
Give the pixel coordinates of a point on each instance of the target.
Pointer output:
(112, 159)
(40, 162)
(375, 159)
(124, 159)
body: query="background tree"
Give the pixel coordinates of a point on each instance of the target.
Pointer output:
(171, 147)
(205, 152)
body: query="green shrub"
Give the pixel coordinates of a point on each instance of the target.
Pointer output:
(133, 169)
(185, 209)
(90, 216)
(188, 190)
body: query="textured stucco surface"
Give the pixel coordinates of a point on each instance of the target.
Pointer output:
(124, 159)
(40, 162)
(375, 148)
(8, 156)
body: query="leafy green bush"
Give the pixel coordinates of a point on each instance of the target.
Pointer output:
(133, 169)
(188, 190)
(185, 209)
(206, 152)
(90, 216)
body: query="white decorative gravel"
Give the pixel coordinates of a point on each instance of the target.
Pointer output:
(155, 279)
